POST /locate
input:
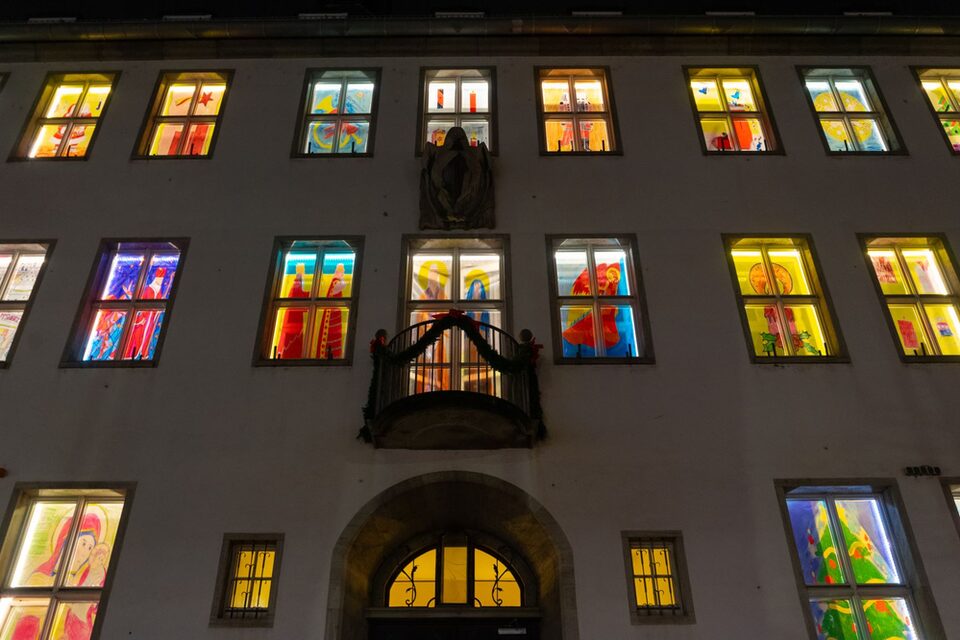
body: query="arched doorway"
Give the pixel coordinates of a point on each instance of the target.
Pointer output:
(465, 512)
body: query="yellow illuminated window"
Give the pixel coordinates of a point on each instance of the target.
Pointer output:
(185, 114)
(656, 577)
(784, 307)
(850, 112)
(458, 98)
(67, 116)
(730, 109)
(942, 88)
(246, 590)
(918, 283)
(576, 111)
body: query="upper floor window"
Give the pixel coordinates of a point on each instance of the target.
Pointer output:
(308, 317)
(942, 87)
(782, 300)
(597, 300)
(851, 113)
(246, 592)
(657, 575)
(337, 116)
(576, 111)
(918, 283)
(128, 303)
(731, 110)
(21, 266)
(458, 98)
(66, 115)
(185, 114)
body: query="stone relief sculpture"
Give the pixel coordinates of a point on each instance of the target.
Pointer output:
(456, 184)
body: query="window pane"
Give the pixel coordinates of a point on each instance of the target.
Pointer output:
(889, 618)
(359, 98)
(437, 131)
(47, 141)
(211, 96)
(336, 277)
(910, 329)
(764, 323)
(821, 95)
(653, 581)
(706, 95)
(5, 261)
(494, 583)
(288, 333)
(321, 137)
(477, 131)
(868, 135)
(94, 544)
(925, 271)
(612, 273)
(9, 321)
(166, 139)
(74, 620)
(251, 586)
(64, 101)
(834, 620)
(789, 272)
(805, 330)
(576, 325)
(415, 585)
(454, 575)
(442, 96)
(938, 95)
(838, 139)
(93, 102)
(887, 269)
(326, 98)
(867, 541)
(852, 95)
(952, 129)
(594, 135)
(431, 277)
(946, 327)
(144, 334)
(954, 86)
(22, 618)
(572, 276)
(123, 276)
(104, 339)
(23, 278)
(198, 139)
(559, 135)
(589, 95)
(716, 134)
(43, 542)
(475, 96)
(556, 95)
(160, 274)
(480, 276)
(619, 331)
(329, 331)
(439, 352)
(298, 274)
(750, 136)
(751, 275)
(815, 543)
(739, 95)
(178, 99)
(354, 136)
(78, 140)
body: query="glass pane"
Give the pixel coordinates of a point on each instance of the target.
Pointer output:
(889, 619)
(298, 274)
(556, 95)
(868, 135)
(619, 331)
(867, 541)
(910, 329)
(198, 139)
(415, 585)
(9, 321)
(577, 330)
(477, 131)
(166, 139)
(494, 584)
(442, 96)
(838, 139)
(739, 95)
(612, 273)
(437, 131)
(336, 275)
(144, 334)
(63, 104)
(329, 333)
(93, 102)
(288, 331)
(952, 129)
(749, 134)
(431, 371)
(486, 316)
(834, 620)
(751, 275)
(559, 135)
(47, 141)
(321, 137)
(79, 140)
(925, 271)
(764, 323)
(354, 136)
(475, 96)
(160, 274)
(789, 272)
(431, 277)
(454, 588)
(937, 95)
(123, 276)
(887, 269)
(359, 98)
(94, 544)
(22, 618)
(706, 95)
(210, 99)
(946, 327)
(589, 95)
(572, 276)
(807, 335)
(716, 134)
(821, 95)
(594, 135)
(480, 378)
(74, 620)
(653, 581)
(5, 261)
(178, 98)
(815, 542)
(43, 542)
(325, 98)
(954, 86)
(480, 276)
(852, 95)
(23, 278)
(104, 339)
(252, 590)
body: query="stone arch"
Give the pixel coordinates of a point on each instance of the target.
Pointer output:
(444, 500)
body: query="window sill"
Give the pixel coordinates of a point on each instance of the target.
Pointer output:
(587, 361)
(304, 362)
(367, 154)
(242, 622)
(109, 364)
(925, 359)
(559, 154)
(799, 359)
(643, 617)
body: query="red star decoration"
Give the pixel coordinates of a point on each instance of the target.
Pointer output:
(205, 98)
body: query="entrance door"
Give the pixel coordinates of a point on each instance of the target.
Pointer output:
(485, 629)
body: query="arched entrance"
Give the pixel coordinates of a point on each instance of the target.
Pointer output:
(476, 512)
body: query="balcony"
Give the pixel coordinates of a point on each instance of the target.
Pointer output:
(453, 383)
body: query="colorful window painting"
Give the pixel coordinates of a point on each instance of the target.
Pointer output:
(782, 299)
(129, 305)
(597, 314)
(658, 581)
(310, 312)
(20, 268)
(458, 98)
(246, 591)
(60, 561)
(942, 88)
(338, 113)
(185, 115)
(67, 116)
(848, 558)
(850, 111)
(576, 111)
(455, 573)
(731, 110)
(918, 283)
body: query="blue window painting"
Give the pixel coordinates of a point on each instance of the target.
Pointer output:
(123, 276)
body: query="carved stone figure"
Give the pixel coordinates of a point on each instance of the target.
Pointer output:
(456, 184)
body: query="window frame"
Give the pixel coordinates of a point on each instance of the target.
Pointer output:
(918, 72)
(638, 297)
(681, 578)
(23, 494)
(489, 73)
(280, 244)
(224, 575)
(915, 587)
(824, 302)
(883, 117)
(950, 275)
(26, 305)
(951, 491)
(73, 352)
(166, 77)
(610, 114)
(35, 117)
(303, 118)
(750, 73)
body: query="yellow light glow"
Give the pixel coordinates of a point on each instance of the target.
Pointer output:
(99, 90)
(936, 280)
(931, 86)
(63, 91)
(741, 253)
(794, 254)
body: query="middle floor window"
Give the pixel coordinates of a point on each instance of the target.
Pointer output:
(731, 110)
(337, 113)
(458, 98)
(576, 111)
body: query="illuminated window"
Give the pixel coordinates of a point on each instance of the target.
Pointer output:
(337, 113)
(854, 568)
(850, 111)
(918, 284)
(731, 110)
(942, 88)
(185, 114)
(21, 266)
(658, 586)
(309, 314)
(246, 586)
(455, 573)
(67, 116)
(576, 111)
(597, 296)
(61, 550)
(132, 288)
(458, 98)
(790, 318)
